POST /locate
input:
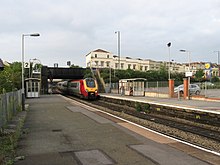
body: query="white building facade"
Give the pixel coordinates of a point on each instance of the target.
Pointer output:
(103, 59)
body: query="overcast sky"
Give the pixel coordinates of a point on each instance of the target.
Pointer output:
(70, 29)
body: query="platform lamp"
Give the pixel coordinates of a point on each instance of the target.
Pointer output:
(119, 47)
(218, 56)
(188, 52)
(22, 67)
(169, 45)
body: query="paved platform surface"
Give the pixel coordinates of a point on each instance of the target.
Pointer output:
(59, 132)
(210, 106)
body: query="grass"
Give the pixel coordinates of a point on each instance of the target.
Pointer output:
(8, 143)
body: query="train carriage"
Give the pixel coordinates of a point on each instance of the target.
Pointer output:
(85, 88)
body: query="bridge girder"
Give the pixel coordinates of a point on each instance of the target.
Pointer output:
(59, 73)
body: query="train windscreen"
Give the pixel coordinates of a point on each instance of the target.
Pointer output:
(90, 83)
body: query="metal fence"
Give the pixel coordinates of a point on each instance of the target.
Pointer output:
(10, 104)
(205, 89)
(157, 89)
(160, 89)
(210, 90)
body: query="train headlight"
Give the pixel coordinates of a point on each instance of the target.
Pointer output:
(96, 91)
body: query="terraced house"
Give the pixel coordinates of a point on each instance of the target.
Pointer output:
(100, 58)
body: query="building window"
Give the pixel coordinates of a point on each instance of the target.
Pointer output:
(129, 66)
(122, 65)
(96, 56)
(107, 56)
(96, 63)
(141, 67)
(116, 66)
(107, 64)
(102, 63)
(145, 68)
(134, 66)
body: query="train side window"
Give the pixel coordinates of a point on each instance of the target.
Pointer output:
(74, 85)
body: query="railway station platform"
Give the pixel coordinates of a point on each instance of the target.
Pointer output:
(60, 131)
(210, 106)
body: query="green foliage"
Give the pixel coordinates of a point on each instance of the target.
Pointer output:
(75, 66)
(88, 73)
(142, 107)
(215, 79)
(10, 77)
(138, 107)
(199, 75)
(150, 75)
(178, 76)
(8, 143)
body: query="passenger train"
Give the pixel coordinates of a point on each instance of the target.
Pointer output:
(84, 88)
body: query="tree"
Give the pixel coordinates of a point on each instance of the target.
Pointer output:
(215, 79)
(199, 75)
(88, 73)
(178, 77)
(75, 66)
(10, 77)
(151, 75)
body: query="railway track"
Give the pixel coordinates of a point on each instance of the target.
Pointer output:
(199, 134)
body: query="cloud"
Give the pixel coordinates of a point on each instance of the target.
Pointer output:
(70, 29)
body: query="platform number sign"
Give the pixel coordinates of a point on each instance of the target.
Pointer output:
(26, 65)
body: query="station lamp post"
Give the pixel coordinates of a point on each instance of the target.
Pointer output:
(188, 52)
(119, 43)
(22, 67)
(169, 45)
(218, 61)
(218, 56)
(110, 77)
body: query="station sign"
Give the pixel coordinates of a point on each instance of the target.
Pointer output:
(188, 74)
(27, 65)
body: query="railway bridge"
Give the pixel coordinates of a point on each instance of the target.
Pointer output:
(52, 73)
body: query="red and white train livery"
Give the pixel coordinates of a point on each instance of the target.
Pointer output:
(84, 88)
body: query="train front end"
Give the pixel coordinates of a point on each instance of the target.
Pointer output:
(91, 88)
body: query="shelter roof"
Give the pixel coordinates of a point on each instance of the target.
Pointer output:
(132, 79)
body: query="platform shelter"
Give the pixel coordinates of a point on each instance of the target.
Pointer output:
(32, 87)
(132, 87)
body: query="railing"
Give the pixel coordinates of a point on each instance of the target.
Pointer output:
(157, 89)
(210, 90)
(160, 89)
(10, 104)
(205, 90)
